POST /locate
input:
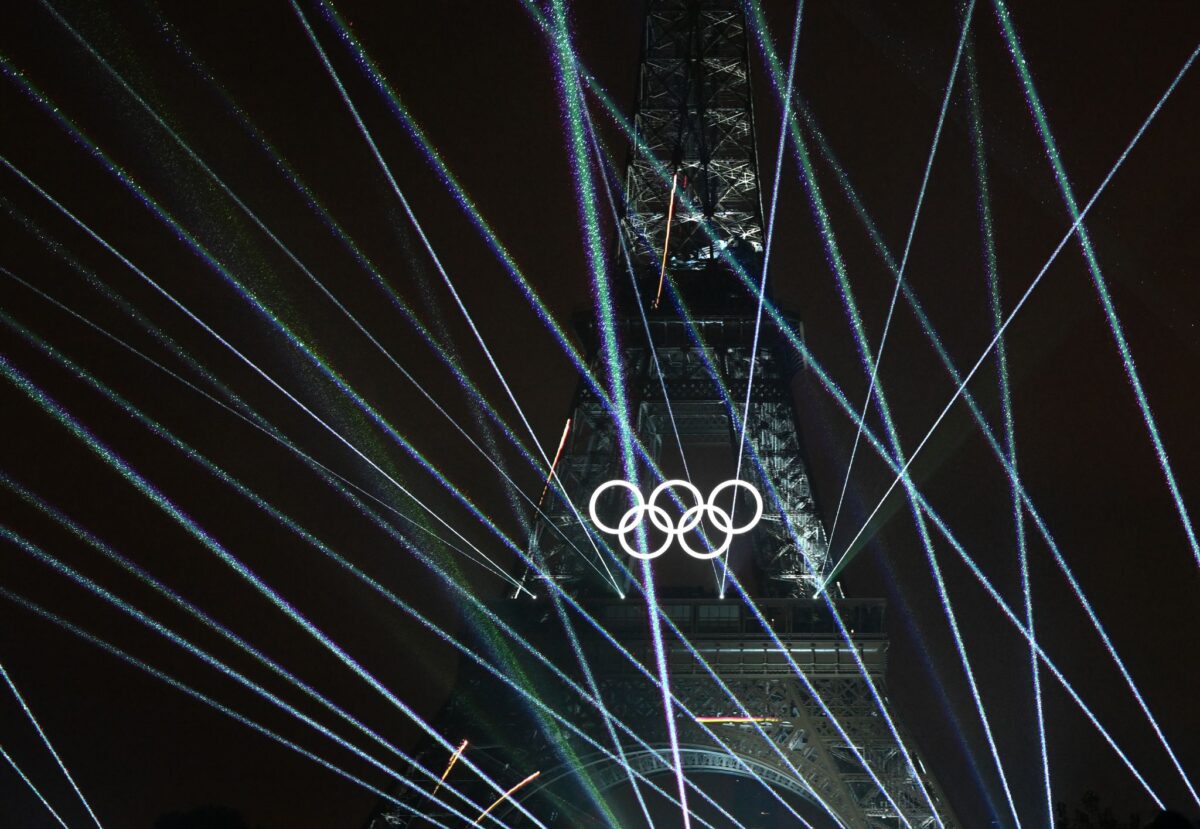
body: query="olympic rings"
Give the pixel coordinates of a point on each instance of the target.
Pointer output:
(688, 521)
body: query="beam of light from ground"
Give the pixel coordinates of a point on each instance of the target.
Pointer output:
(239, 408)
(912, 230)
(1019, 304)
(46, 742)
(992, 270)
(96, 543)
(571, 99)
(506, 796)
(766, 262)
(30, 783)
(477, 219)
(152, 493)
(361, 403)
(985, 428)
(493, 567)
(258, 222)
(113, 650)
(1001, 455)
(287, 522)
(606, 169)
(736, 719)
(1042, 122)
(383, 525)
(827, 383)
(131, 611)
(392, 99)
(734, 418)
(1093, 264)
(871, 367)
(444, 352)
(366, 134)
(843, 402)
(316, 465)
(788, 333)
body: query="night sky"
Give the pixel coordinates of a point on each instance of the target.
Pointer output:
(480, 81)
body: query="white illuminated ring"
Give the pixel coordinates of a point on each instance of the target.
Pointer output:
(632, 520)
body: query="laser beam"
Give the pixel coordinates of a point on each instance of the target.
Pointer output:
(49, 746)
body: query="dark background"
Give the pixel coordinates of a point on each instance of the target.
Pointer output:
(479, 79)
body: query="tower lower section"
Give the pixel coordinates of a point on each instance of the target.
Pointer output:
(800, 718)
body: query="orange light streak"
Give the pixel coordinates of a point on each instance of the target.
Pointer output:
(736, 719)
(662, 273)
(505, 796)
(453, 759)
(561, 444)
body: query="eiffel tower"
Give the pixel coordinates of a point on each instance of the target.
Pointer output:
(692, 220)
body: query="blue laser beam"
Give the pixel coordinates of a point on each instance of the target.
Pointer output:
(238, 409)
(33, 788)
(152, 493)
(395, 187)
(734, 417)
(112, 650)
(762, 287)
(571, 97)
(49, 745)
(450, 581)
(912, 230)
(1020, 304)
(295, 528)
(274, 383)
(978, 416)
(95, 589)
(1028, 502)
(1079, 229)
(258, 222)
(991, 267)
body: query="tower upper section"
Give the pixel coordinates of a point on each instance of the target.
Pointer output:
(692, 184)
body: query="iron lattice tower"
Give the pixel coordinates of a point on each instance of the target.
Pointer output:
(692, 187)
